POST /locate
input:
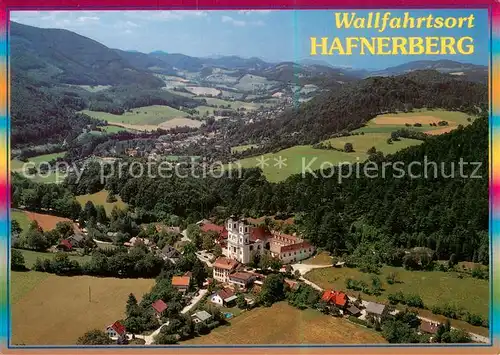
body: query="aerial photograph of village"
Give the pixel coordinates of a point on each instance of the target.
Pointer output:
(193, 177)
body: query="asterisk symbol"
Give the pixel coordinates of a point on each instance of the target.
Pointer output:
(262, 162)
(280, 162)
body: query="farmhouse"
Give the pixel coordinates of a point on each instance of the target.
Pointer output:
(65, 245)
(181, 283)
(223, 297)
(116, 331)
(170, 253)
(242, 279)
(376, 310)
(76, 239)
(336, 298)
(223, 267)
(429, 327)
(159, 307)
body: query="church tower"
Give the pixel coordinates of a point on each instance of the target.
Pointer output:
(238, 240)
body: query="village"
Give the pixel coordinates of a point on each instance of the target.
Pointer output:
(235, 280)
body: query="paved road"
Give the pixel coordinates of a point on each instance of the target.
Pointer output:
(149, 339)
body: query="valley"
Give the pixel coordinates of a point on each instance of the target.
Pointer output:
(151, 189)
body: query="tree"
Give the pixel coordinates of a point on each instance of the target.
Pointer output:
(199, 272)
(372, 150)
(241, 302)
(395, 136)
(132, 307)
(217, 250)
(17, 260)
(376, 285)
(89, 210)
(348, 148)
(15, 228)
(35, 238)
(453, 261)
(94, 337)
(395, 331)
(273, 290)
(207, 241)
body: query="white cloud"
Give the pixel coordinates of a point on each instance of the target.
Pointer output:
(240, 23)
(87, 18)
(164, 15)
(249, 12)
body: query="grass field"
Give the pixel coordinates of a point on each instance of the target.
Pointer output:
(21, 218)
(55, 310)
(115, 129)
(283, 324)
(45, 221)
(434, 287)
(147, 115)
(303, 156)
(362, 143)
(242, 148)
(99, 198)
(46, 177)
(322, 258)
(391, 122)
(30, 257)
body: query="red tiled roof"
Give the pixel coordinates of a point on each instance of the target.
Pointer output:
(429, 327)
(225, 293)
(180, 280)
(118, 328)
(210, 227)
(66, 243)
(294, 247)
(259, 233)
(336, 297)
(159, 306)
(225, 263)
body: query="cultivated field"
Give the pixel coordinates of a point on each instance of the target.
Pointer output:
(203, 91)
(45, 221)
(253, 82)
(147, 115)
(391, 122)
(283, 324)
(232, 104)
(55, 310)
(434, 287)
(180, 122)
(99, 198)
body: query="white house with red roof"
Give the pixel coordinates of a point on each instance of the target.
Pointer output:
(116, 331)
(223, 267)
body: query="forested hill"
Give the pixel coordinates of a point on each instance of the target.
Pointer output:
(358, 102)
(61, 56)
(448, 215)
(39, 116)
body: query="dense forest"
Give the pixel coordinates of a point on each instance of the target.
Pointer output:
(447, 215)
(358, 102)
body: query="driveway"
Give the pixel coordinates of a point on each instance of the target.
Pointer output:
(149, 339)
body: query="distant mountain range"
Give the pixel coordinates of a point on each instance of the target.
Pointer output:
(62, 56)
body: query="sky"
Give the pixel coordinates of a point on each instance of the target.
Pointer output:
(270, 35)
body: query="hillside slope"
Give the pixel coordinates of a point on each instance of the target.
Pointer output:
(62, 56)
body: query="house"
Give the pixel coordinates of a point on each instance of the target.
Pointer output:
(354, 311)
(159, 307)
(377, 310)
(336, 298)
(181, 283)
(170, 253)
(201, 316)
(222, 267)
(223, 297)
(294, 285)
(242, 279)
(116, 331)
(76, 239)
(65, 245)
(429, 327)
